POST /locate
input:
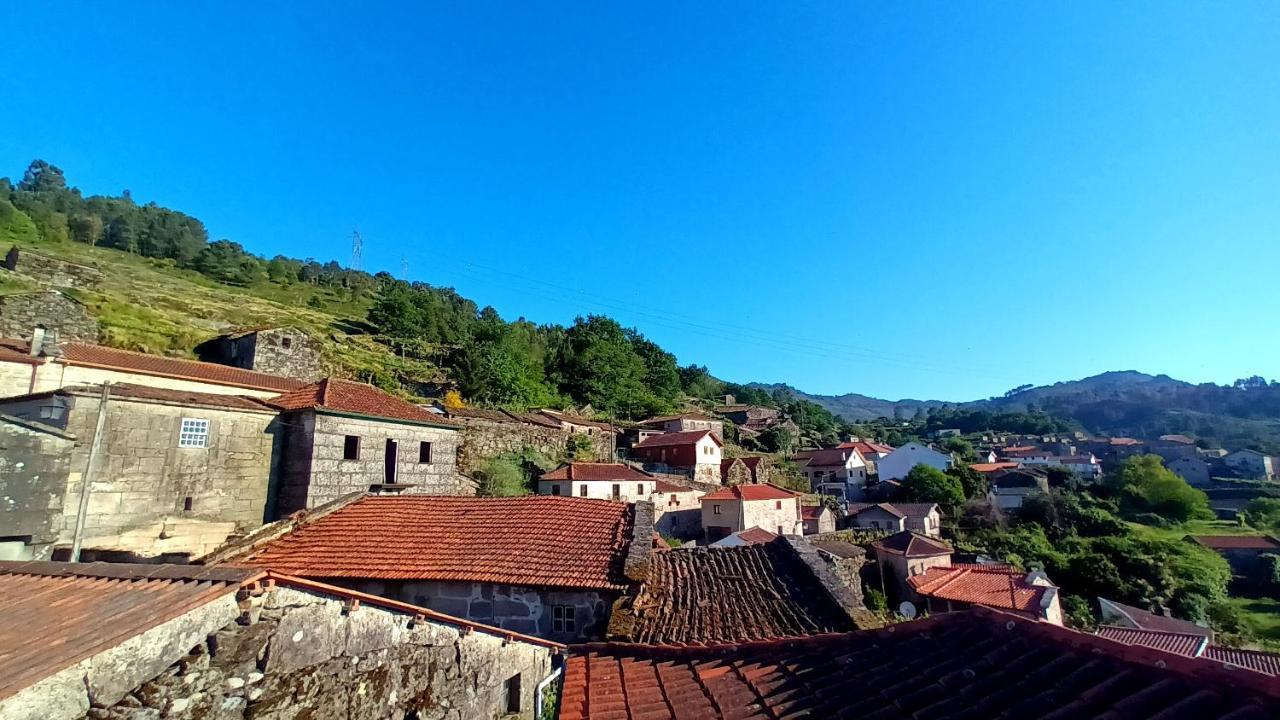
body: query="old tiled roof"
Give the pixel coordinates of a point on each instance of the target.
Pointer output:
(355, 398)
(971, 665)
(859, 508)
(686, 437)
(993, 467)
(755, 491)
(596, 471)
(1124, 441)
(1180, 439)
(87, 355)
(755, 535)
(180, 397)
(681, 416)
(539, 540)
(53, 615)
(812, 512)
(1237, 542)
(997, 587)
(1186, 644)
(913, 544)
(1145, 620)
(480, 414)
(831, 457)
(17, 351)
(1267, 663)
(663, 486)
(560, 417)
(731, 594)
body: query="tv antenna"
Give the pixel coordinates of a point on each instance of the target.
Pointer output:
(357, 250)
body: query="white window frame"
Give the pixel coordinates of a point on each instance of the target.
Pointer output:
(193, 433)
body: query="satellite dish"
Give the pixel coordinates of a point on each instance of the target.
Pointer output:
(907, 609)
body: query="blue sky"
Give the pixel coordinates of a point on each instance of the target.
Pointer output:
(903, 200)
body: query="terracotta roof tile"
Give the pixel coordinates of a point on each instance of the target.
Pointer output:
(85, 354)
(832, 457)
(587, 471)
(812, 512)
(1145, 620)
(859, 508)
(993, 467)
(346, 396)
(956, 666)
(670, 487)
(1267, 663)
(1185, 644)
(1238, 542)
(913, 544)
(731, 594)
(761, 491)
(996, 587)
(181, 397)
(539, 540)
(687, 437)
(755, 535)
(17, 351)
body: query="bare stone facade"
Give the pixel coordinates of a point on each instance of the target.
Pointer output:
(298, 653)
(150, 496)
(284, 351)
(35, 461)
(484, 438)
(57, 314)
(52, 271)
(326, 456)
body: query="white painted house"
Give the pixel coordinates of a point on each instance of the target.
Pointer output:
(837, 471)
(898, 463)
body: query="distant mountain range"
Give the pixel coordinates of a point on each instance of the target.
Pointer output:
(1119, 403)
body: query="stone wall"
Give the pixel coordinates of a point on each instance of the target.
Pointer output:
(302, 654)
(483, 439)
(21, 313)
(35, 461)
(526, 610)
(678, 514)
(48, 270)
(285, 351)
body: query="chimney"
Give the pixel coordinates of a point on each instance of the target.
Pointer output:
(729, 399)
(48, 343)
(37, 340)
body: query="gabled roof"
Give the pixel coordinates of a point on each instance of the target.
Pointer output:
(962, 665)
(1187, 644)
(866, 448)
(755, 535)
(1179, 439)
(1124, 441)
(346, 397)
(992, 467)
(833, 457)
(1237, 542)
(813, 512)
(1145, 620)
(591, 471)
(993, 586)
(859, 508)
(686, 437)
(757, 491)
(145, 393)
(1267, 663)
(87, 355)
(536, 540)
(912, 544)
(17, 351)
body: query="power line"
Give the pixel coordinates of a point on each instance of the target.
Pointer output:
(357, 250)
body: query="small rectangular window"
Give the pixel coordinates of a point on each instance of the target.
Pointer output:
(187, 504)
(555, 489)
(511, 688)
(194, 433)
(715, 509)
(582, 490)
(351, 447)
(640, 488)
(286, 342)
(777, 505)
(424, 452)
(617, 491)
(563, 619)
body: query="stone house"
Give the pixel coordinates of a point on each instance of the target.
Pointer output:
(1192, 469)
(50, 271)
(696, 452)
(898, 463)
(748, 415)
(817, 519)
(905, 555)
(1010, 488)
(46, 314)
(133, 642)
(840, 472)
(944, 589)
(732, 509)
(35, 460)
(1249, 464)
(603, 481)
(1242, 552)
(487, 433)
(283, 351)
(57, 364)
(744, 469)
(677, 510)
(339, 437)
(176, 472)
(685, 422)
(540, 565)
(922, 518)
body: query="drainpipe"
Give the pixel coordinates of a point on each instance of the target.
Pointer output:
(87, 480)
(537, 693)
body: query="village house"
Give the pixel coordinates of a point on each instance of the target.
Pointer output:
(696, 452)
(836, 471)
(744, 469)
(133, 641)
(1120, 615)
(870, 452)
(56, 364)
(907, 554)
(817, 519)
(1192, 469)
(340, 437)
(174, 473)
(487, 433)
(604, 481)
(685, 422)
(740, 507)
(1010, 488)
(47, 315)
(922, 518)
(945, 589)
(1250, 464)
(1242, 552)
(744, 415)
(677, 510)
(283, 351)
(898, 463)
(539, 565)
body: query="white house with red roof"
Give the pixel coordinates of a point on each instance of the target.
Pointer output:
(605, 481)
(732, 509)
(696, 452)
(954, 588)
(840, 471)
(898, 463)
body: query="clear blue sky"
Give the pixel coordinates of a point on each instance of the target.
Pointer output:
(940, 200)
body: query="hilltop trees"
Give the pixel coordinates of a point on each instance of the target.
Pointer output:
(1144, 485)
(929, 484)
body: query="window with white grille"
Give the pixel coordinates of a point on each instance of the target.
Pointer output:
(194, 433)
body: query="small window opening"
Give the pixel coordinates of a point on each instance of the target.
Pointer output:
(351, 447)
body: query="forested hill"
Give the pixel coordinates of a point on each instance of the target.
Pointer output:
(857, 408)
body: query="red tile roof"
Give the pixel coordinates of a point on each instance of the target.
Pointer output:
(996, 587)
(1124, 441)
(58, 614)
(729, 594)
(17, 351)
(962, 666)
(832, 457)
(755, 535)
(687, 437)
(859, 508)
(354, 398)
(1238, 542)
(587, 471)
(761, 491)
(180, 397)
(912, 544)
(87, 355)
(1267, 663)
(1185, 644)
(670, 487)
(867, 449)
(992, 467)
(539, 540)
(812, 512)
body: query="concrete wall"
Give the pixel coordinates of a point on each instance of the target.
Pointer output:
(313, 458)
(301, 656)
(526, 610)
(34, 466)
(15, 378)
(20, 313)
(54, 375)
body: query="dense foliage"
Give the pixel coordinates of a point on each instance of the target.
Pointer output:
(1143, 485)
(925, 483)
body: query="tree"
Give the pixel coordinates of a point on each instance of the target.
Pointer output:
(85, 228)
(777, 439)
(929, 484)
(961, 447)
(972, 482)
(1264, 513)
(1145, 485)
(42, 177)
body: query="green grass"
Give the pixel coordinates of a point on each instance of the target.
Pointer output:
(1194, 527)
(1262, 617)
